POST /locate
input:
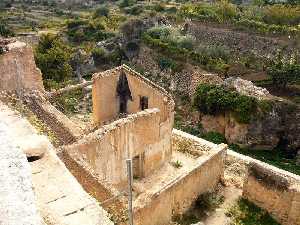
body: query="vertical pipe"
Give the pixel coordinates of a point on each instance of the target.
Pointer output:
(130, 179)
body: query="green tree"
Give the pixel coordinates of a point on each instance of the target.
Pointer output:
(52, 57)
(283, 70)
(4, 30)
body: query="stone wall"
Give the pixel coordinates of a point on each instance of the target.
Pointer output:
(274, 190)
(108, 197)
(106, 101)
(159, 204)
(139, 134)
(18, 71)
(64, 129)
(239, 42)
(269, 187)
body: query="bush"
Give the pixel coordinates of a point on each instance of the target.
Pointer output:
(4, 30)
(226, 11)
(99, 55)
(281, 14)
(214, 137)
(165, 63)
(284, 71)
(84, 30)
(159, 7)
(52, 57)
(101, 11)
(126, 3)
(134, 10)
(212, 99)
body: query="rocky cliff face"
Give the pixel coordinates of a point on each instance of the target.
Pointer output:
(279, 126)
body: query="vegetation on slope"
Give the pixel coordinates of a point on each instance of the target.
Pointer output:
(274, 19)
(52, 56)
(212, 100)
(247, 213)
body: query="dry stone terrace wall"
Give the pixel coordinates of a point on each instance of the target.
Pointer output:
(158, 204)
(106, 149)
(18, 71)
(106, 102)
(239, 42)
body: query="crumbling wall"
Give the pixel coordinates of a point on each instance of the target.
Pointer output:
(275, 190)
(106, 149)
(18, 71)
(159, 204)
(65, 130)
(106, 101)
(108, 197)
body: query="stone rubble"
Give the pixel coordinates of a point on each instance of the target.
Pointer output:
(246, 87)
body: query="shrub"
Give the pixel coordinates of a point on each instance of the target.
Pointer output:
(165, 63)
(99, 55)
(159, 7)
(4, 30)
(284, 71)
(214, 137)
(134, 10)
(281, 14)
(212, 99)
(84, 30)
(226, 11)
(201, 11)
(101, 11)
(52, 57)
(126, 3)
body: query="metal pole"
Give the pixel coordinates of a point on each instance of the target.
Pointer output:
(130, 179)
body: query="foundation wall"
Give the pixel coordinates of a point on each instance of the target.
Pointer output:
(140, 134)
(157, 206)
(18, 71)
(106, 101)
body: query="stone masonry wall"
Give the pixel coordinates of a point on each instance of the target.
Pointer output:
(274, 190)
(107, 149)
(158, 205)
(106, 102)
(18, 71)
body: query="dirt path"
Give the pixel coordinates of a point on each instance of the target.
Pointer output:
(218, 217)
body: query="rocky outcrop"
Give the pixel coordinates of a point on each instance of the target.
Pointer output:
(280, 125)
(246, 87)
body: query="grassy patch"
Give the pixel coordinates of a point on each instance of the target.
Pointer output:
(277, 157)
(247, 213)
(205, 203)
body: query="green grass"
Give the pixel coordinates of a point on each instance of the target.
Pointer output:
(274, 157)
(247, 213)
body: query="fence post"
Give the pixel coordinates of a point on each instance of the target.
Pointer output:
(130, 180)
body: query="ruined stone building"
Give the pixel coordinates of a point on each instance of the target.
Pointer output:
(83, 179)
